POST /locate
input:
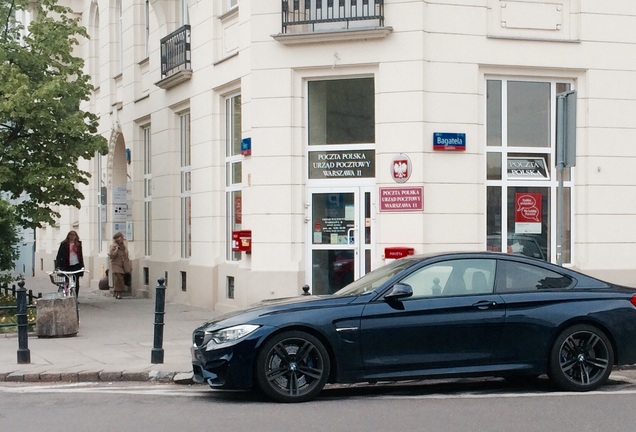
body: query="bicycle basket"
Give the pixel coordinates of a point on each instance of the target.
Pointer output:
(57, 279)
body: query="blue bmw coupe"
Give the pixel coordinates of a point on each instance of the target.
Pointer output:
(446, 315)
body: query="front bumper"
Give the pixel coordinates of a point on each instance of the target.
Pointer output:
(230, 367)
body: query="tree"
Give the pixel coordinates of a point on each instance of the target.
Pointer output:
(43, 130)
(8, 237)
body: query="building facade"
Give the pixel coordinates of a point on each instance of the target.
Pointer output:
(256, 147)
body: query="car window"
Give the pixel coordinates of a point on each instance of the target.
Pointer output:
(453, 277)
(516, 276)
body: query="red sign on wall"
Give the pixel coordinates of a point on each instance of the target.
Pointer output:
(528, 213)
(400, 199)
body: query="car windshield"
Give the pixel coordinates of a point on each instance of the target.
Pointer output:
(375, 279)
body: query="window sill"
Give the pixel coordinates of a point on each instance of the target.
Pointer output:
(333, 36)
(174, 79)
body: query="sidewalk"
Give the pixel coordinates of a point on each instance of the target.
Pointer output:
(114, 342)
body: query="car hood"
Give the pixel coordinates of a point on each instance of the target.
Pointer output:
(268, 308)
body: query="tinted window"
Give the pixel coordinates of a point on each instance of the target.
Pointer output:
(453, 277)
(514, 276)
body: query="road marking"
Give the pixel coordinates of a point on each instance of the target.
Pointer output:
(187, 391)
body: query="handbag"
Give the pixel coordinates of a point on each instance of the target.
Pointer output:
(103, 282)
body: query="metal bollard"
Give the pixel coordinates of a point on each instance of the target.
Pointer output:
(24, 355)
(160, 308)
(305, 290)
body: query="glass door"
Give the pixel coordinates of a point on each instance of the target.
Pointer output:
(341, 237)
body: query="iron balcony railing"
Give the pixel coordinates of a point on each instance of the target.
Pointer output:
(175, 52)
(318, 15)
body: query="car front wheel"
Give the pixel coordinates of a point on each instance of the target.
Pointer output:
(581, 359)
(292, 367)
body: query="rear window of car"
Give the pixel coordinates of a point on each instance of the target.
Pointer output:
(515, 276)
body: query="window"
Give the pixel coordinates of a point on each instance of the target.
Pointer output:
(147, 28)
(513, 276)
(233, 171)
(102, 201)
(342, 111)
(186, 216)
(146, 134)
(119, 37)
(184, 17)
(450, 278)
(522, 185)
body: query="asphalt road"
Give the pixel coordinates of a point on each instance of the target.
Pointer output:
(449, 406)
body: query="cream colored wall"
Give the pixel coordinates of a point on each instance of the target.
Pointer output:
(429, 76)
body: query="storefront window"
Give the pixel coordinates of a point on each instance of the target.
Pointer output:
(342, 111)
(522, 184)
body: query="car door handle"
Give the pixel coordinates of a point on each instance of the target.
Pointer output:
(485, 304)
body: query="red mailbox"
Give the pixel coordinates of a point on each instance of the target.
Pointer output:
(242, 241)
(398, 252)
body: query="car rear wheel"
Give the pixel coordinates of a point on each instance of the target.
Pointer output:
(581, 359)
(292, 367)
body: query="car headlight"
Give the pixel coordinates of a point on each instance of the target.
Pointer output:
(214, 339)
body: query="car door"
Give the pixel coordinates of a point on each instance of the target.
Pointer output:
(538, 301)
(452, 320)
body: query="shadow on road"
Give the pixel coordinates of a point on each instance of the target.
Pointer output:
(441, 388)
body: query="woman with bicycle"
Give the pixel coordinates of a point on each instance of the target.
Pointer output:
(119, 263)
(70, 257)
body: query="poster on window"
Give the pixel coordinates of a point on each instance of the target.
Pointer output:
(528, 213)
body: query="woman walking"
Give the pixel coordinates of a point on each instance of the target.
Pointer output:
(119, 263)
(70, 258)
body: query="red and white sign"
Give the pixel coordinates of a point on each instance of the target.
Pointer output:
(401, 168)
(528, 213)
(401, 199)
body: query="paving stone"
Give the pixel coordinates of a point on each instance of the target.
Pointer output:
(110, 376)
(88, 376)
(134, 376)
(50, 377)
(31, 377)
(184, 378)
(159, 376)
(15, 377)
(68, 377)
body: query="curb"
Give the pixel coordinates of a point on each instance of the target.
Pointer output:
(184, 378)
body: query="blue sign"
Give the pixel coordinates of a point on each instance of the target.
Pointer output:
(449, 141)
(246, 146)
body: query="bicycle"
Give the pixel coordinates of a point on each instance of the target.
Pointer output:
(66, 282)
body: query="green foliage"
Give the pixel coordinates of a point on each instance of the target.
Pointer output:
(8, 317)
(43, 130)
(8, 237)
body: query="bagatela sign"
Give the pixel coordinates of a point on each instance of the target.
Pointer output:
(341, 164)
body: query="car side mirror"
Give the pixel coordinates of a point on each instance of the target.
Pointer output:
(398, 292)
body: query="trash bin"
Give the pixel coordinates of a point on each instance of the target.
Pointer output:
(56, 316)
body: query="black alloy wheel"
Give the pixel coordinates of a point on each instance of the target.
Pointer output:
(292, 367)
(581, 359)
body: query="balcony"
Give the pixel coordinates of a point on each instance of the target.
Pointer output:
(323, 20)
(175, 58)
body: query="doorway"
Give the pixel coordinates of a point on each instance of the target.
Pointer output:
(341, 236)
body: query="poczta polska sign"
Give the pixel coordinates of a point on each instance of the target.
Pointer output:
(341, 164)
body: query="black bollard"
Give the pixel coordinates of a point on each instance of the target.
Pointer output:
(305, 290)
(24, 355)
(160, 308)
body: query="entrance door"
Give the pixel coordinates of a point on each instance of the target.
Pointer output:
(341, 237)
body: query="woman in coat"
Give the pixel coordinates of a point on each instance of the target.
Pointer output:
(70, 257)
(119, 263)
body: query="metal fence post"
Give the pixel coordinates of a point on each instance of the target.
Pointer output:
(160, 307)
(24, 355)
